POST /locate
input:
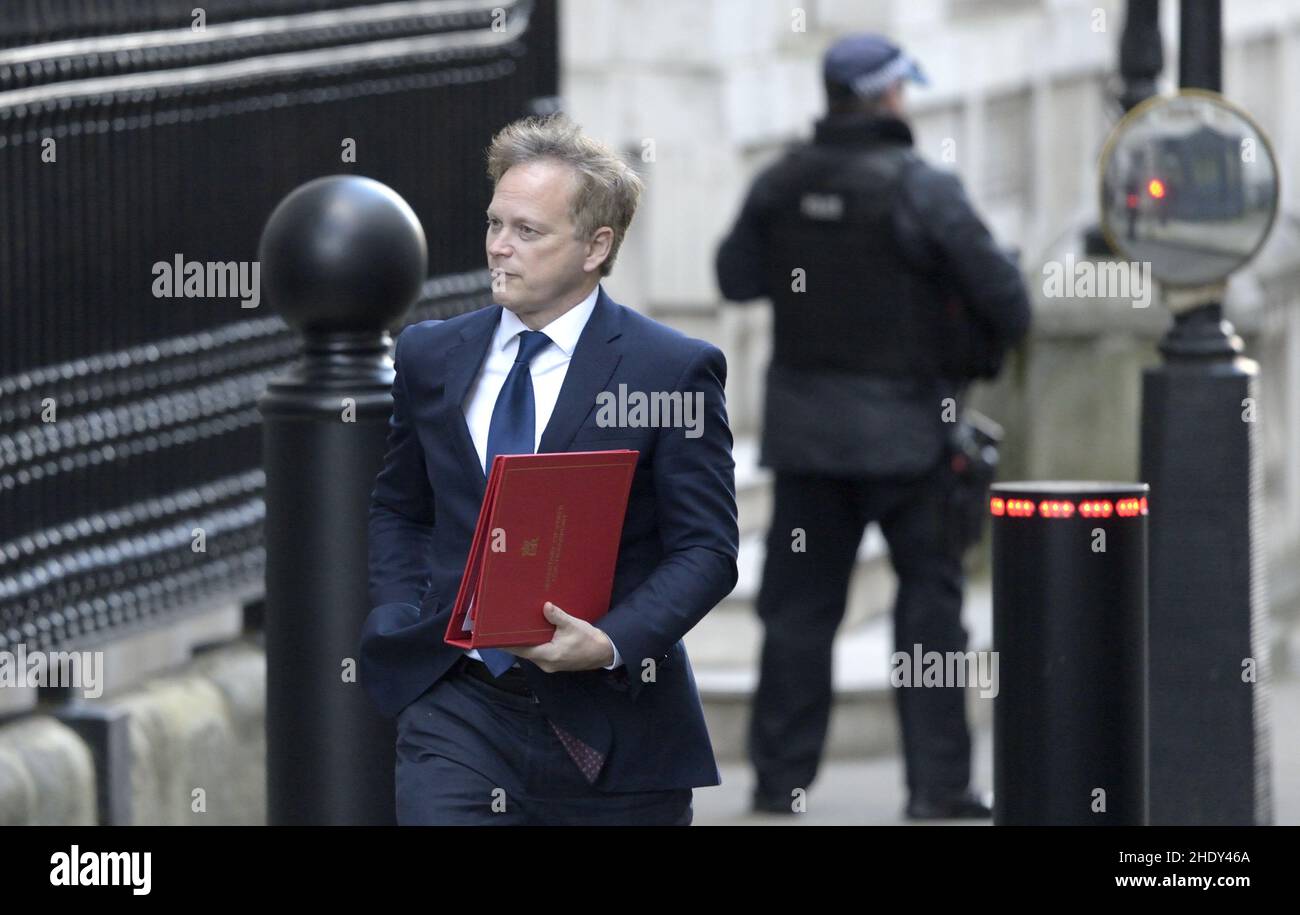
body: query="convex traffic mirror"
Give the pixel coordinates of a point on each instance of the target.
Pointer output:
(1189, 184)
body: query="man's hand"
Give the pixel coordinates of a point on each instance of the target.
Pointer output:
(576, 645)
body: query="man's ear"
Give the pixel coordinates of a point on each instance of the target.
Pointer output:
(894, 99)
(598, 248)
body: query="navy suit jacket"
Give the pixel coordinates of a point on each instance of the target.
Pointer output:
(676, 560)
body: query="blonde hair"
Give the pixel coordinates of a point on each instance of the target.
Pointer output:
(607, 189)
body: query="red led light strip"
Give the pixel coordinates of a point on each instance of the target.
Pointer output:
(1016, 508)
(1064, 508)
(1096, 508)
(1056, 508)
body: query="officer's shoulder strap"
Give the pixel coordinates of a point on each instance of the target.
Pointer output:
(927, 184)
(773, 176)
(883, 165)
(807, 165)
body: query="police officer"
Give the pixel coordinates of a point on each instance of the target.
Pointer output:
(888, 295)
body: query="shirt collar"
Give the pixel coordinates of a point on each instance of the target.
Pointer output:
(860, 129)
(564, 331)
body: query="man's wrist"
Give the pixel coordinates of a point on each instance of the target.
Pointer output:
(613, 653)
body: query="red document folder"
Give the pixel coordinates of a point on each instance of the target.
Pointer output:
(548, 530)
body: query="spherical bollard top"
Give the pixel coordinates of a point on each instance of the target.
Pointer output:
(342, 254)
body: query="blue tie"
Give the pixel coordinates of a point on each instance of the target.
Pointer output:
(512, 431)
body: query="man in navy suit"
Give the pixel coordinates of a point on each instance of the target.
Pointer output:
(602, 724)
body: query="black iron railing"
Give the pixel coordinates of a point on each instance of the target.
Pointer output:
(130, 479)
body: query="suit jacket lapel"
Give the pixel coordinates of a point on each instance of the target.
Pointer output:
(592, 365)
(463, 361)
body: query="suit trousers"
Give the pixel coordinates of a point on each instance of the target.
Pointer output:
(469, 753)
(801, 603)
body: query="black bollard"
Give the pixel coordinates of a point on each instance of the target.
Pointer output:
(1210, 671)
(342, 259)
(1069, 627)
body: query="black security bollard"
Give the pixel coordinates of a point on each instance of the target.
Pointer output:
(1210, 674)
(342, 260)
(1069, 627)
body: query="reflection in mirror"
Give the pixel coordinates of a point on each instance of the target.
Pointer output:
(1189, 185)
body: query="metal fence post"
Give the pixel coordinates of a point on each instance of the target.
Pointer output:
(342, 259)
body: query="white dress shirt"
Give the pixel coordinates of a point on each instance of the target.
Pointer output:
(547, 369)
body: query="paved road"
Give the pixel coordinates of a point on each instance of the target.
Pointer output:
(871, 792)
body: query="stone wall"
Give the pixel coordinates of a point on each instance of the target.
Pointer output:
(187, 747)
